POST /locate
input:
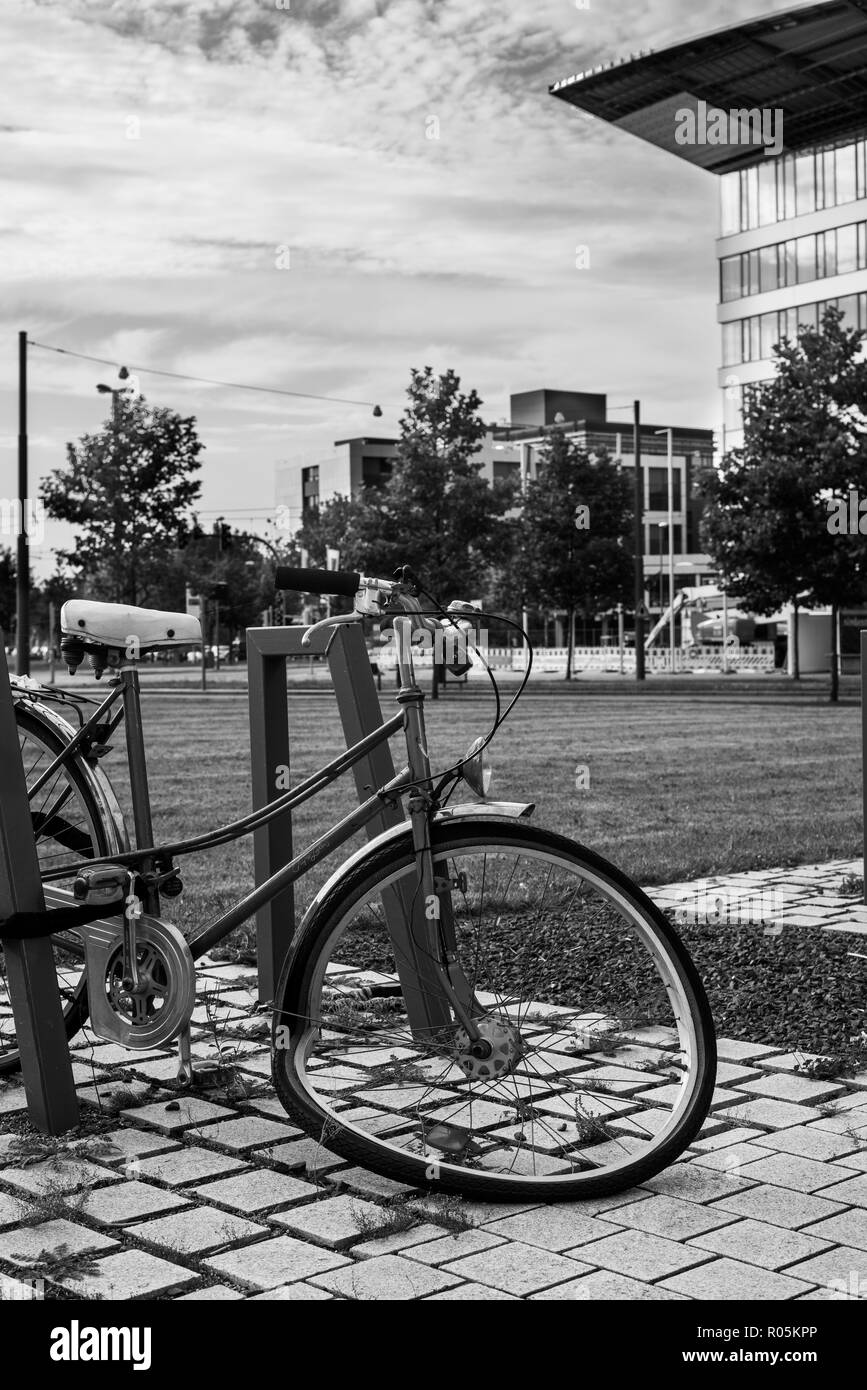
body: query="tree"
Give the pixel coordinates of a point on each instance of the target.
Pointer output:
(437, 513)
(577, 519)
(225, 567)
(128, 490)
(768, 524)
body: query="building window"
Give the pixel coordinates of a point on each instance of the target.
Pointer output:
(730, 204)
(769, 277)
(846, 258)
(767, 176)
(657, 491)
(730, 278)
(805, 248)
(805, 183)
(786, 187)
(847, 183)
(769, 333)
(732, 349)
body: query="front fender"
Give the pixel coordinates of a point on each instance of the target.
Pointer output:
(468, 810)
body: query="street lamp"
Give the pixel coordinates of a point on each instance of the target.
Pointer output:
(670, 434)
(117, 393)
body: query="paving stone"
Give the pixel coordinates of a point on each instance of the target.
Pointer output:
(131, 1274)
(847, 1228)
(23, 1245)
(731, 1050)
(555, 1228)
(696, 1183)
(732, 1159)
(270, 1263)
(808, 1142)
(671, 1217)
(844, 1269)
(771, 1114)
(733, 1280)
(388, 1277)
(794, 1172)
(191, 1111)
(844, 1122)
(12, 1099)
(113, 1054)
(115, 1097)
(853, 1192)
(799, 1089)
(127, 1144)
(307, 1154)
(855, 1160)
(518, 1268)
(271, 1106)
(129, 1201)
(188, 1164)
(13, 1210)
(734, 1073)
(474, 1212)
(449, 1247)
(605, 1284)
(66, 1176)
(478, 1292)
(198, 1230)
(257, 1191)
(291, 1292)
(779, 1206)
(368, 1184)
(213, 1293)
(336, 1223)
(243, 1133)
(757, 1243)
(398, 1243)
(639, 1255)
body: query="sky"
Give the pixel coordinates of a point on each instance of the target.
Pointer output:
(318, 195)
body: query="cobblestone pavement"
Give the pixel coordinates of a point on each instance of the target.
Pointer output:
(806, 896)
(211, 1195)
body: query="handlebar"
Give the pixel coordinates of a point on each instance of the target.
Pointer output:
(313, 581)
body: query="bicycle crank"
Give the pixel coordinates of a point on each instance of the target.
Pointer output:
(154, 1002)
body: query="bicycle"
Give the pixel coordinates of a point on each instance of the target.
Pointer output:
(470, 1003)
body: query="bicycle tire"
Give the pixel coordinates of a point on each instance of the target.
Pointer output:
(302, 976)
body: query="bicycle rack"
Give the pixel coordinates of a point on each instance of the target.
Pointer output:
(360, 714)
(46, 1066)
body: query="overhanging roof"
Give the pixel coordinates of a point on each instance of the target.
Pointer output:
(810, 62)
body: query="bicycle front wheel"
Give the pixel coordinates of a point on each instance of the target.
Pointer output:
(603, 1056)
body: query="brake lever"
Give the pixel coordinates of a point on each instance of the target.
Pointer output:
(338, 620)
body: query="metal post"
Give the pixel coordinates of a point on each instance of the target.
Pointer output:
(671, 546)
(864, 752)
(202, 624)
(22, 576)
(360, 713)
(639, 543)
(725, 650)
(216, 634)
(620, 633)
(52, 622)
(30, 970)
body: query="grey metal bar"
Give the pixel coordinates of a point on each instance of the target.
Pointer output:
(46, 1068)
(864, 753)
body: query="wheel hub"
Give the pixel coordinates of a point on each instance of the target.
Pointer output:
(496, 1052)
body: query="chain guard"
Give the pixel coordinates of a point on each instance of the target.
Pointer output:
(168, 972)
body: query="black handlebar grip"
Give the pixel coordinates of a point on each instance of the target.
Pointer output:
(309, 581)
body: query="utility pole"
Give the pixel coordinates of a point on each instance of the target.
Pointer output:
(639, 543)
(22, 578)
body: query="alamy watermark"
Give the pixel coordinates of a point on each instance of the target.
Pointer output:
(711, 125)
(716, 907)
(33, 517)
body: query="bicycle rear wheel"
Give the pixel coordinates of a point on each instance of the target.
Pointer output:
(603, 1057)
(69, 828)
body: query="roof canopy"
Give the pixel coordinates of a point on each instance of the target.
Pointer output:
(809, 62)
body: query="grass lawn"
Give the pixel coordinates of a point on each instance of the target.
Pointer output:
(678, 788)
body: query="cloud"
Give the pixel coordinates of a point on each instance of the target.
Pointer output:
(430, 192)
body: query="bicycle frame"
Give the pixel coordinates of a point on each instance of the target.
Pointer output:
(426, 958)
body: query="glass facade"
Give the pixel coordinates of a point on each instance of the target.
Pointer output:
(752, 339)
(792, 186)
(794, 262)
